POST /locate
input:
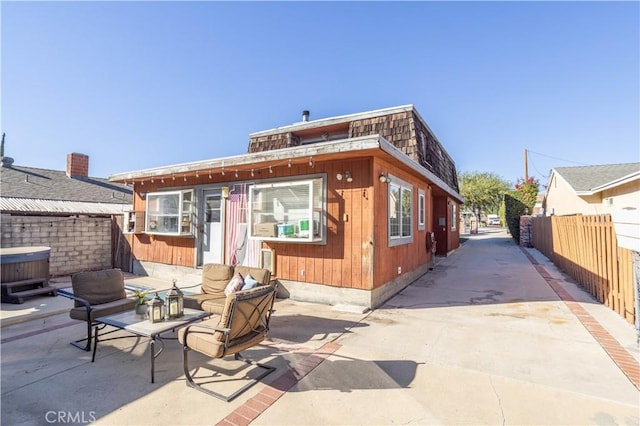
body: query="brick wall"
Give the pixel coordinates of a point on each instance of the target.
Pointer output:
(526, 239)
(77, 244)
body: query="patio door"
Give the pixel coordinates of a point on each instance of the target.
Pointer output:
(212, 240)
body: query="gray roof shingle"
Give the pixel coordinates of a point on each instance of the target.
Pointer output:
(586, 178)
(43, 184)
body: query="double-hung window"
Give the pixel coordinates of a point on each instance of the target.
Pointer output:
(291, 211)
(421, 209)
(454, 216)
(400, 198)
(169, 213)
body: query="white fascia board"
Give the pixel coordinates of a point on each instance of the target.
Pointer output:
(303, 125)
(621, 181)
(332, 147)
(362, 143)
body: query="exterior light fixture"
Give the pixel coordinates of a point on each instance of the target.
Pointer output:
(346, 175)
(236, 173)
(384, 178)
(270, 170)
(225, 192)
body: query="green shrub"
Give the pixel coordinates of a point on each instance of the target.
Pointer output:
(513, 209)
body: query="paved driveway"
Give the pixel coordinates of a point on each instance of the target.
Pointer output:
(487, 337)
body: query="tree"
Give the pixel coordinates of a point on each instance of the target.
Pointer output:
(482, 191)
(527, 192)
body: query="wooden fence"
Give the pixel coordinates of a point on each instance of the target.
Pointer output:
(585, 248)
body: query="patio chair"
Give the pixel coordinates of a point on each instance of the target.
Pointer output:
(243, 324)
(96, 294)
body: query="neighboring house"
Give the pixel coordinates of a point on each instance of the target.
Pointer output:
(340, 209)
(74, 214)
(538, 207)
(593, 189)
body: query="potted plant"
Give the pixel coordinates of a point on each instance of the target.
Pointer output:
(141, 301)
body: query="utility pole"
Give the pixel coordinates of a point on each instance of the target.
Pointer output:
(526, 167)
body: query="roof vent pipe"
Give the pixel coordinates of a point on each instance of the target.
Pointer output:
(305, 115)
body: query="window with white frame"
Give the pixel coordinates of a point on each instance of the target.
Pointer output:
(291, 211)
(169, 213)
(400, 198)
(421, 209)
(454, 215)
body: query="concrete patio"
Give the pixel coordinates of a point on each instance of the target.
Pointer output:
(484, 338)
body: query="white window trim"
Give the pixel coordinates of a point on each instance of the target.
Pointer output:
(397, 241)
(454, 214)
(422, 210)
(180, 215)
(313, 239)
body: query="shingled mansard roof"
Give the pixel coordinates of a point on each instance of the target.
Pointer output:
(43, 191)
(586, 180)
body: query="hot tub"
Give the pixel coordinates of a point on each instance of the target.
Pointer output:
(25, 272)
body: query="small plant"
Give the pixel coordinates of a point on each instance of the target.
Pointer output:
(141, 297)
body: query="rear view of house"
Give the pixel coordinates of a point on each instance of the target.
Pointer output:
(343, 210)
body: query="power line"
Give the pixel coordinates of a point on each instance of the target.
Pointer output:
(557, 158)
(537, 170)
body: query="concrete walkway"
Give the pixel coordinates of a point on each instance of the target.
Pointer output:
(495, 334)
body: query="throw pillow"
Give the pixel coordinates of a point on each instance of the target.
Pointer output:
(249, 282)
(234, 285)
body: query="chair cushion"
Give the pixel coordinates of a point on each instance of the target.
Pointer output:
(98, 287)
(215, 278)
(213, 305)
(235, 284)
(249, 282)
(202, 339)
(246, 317)
(103, 309)
(205, 302)
(247, 325)
(259, 274)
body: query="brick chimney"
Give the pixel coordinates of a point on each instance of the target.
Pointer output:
(77, 165)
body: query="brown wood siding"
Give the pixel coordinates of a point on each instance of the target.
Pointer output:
(396, 128)
(403, 129)
(271, 142)
(345, 261)
(160, 248)
(406, 256)
(435, 158)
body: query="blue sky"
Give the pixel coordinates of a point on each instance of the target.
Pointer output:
(149, 84)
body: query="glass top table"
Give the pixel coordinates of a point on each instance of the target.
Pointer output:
(139, 325)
